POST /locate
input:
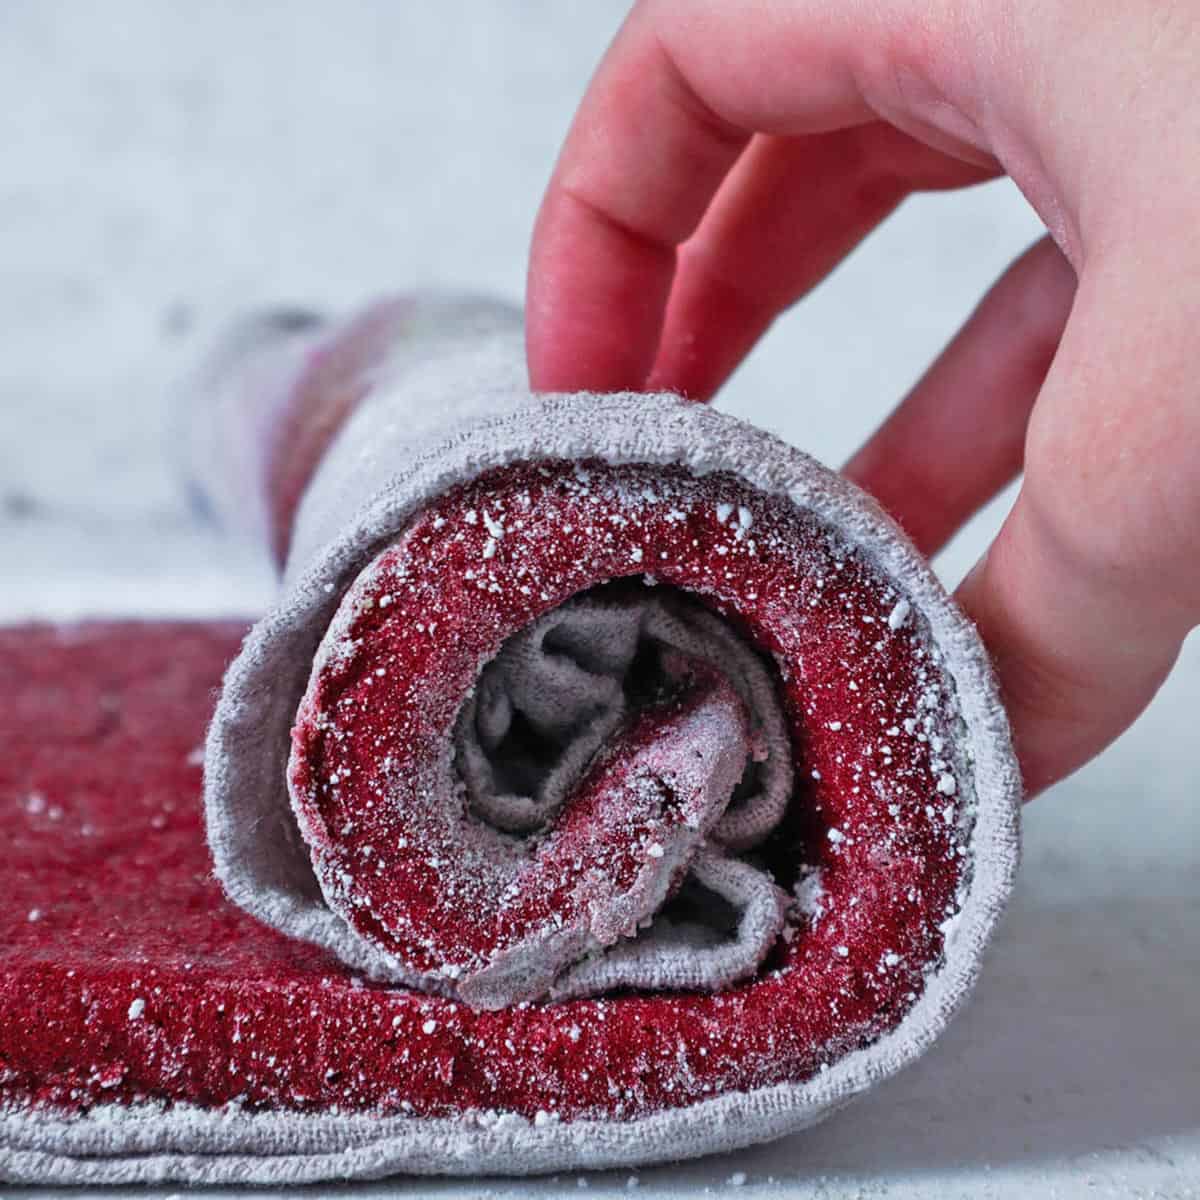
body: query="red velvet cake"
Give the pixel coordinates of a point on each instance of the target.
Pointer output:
(137, 980)
(607, 807)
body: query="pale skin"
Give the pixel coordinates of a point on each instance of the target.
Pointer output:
(728, 154)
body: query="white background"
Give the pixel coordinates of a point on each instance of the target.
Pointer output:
(167, 164)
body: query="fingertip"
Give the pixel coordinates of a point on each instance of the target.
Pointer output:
(595, 296)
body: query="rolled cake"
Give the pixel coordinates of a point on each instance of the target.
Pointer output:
(634, 767)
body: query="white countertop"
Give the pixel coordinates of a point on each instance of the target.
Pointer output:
(168, 165)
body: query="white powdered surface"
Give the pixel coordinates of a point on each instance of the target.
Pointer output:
(168, 166)
(375, 474)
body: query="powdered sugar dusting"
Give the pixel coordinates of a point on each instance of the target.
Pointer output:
(869, 705)
(884, 890)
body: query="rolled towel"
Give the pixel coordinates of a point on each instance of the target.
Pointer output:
(603, 696)
(652, 794)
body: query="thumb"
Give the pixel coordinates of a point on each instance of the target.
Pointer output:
(1077, 656)
(1087, 593)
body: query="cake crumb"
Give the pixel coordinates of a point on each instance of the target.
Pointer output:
(898, 615)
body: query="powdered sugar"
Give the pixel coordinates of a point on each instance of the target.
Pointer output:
(899, 615)
(854, 788)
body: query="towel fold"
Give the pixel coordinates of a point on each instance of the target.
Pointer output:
(636, 758)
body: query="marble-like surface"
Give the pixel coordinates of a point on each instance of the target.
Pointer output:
(167, 165)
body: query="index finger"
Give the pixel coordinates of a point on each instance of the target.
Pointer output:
(671, 108)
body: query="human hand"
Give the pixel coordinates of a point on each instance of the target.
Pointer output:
(728, 155)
